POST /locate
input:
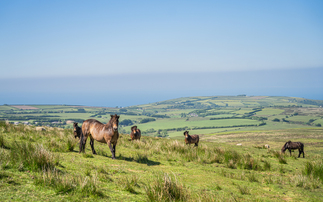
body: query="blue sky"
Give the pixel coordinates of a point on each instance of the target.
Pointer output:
(79, 41)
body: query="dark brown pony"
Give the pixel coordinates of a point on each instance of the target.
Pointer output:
(77, 130)
(135, 133)
(190, 139)
(105, 133)
(293, 145)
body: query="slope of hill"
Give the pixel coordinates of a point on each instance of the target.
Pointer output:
(170, 118)
(46, 165)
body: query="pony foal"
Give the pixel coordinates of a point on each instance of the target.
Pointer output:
(135, 133)
(77, 130)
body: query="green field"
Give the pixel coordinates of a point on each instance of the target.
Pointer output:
(171, 118)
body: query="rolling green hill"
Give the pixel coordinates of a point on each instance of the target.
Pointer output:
(170, 118)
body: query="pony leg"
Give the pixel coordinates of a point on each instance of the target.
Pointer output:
(112, 150)
(290, 152)
(83, 143)
(92, 146)
(303, 153)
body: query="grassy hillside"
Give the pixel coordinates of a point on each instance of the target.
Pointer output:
(46, 165)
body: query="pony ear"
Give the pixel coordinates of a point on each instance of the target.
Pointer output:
(111, 115)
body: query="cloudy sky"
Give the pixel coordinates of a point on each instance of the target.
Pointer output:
(76, 46)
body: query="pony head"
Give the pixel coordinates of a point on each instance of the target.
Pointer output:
(134, 129)
(285, 146)
(114, 121)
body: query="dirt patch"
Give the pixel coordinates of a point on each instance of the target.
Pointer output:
(24, 107)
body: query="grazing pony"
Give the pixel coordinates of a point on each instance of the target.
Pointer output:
(135, 133)
(190, 139)
(77, 130)
(293, 145)
(104, 133)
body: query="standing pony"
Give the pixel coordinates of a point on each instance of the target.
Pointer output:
(77, 130)
(135, 133)
(190, 139)
(104, 133)
(293, 145)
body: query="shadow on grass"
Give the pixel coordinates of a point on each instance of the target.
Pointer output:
(139, 160)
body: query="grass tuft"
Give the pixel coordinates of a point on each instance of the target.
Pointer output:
(166, 188)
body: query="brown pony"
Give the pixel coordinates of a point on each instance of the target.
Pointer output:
(190, 139)
(135, 133)
(77, 130)
(105, 133)
(293, 145)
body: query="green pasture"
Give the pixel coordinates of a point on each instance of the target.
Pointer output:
(319, 121)
(238, 106)
(5, 108)
(269, 112)
(217, 170)
(193, 122)
(303, 119)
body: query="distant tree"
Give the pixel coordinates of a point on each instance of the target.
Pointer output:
(311, 120)
(122, 110)
(126, 122)
(276, 120)
(318, 125)
(146, 120)
(81, 110)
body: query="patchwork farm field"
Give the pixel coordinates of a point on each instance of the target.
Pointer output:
(170, 118)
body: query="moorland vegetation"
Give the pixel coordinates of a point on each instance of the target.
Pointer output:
(46, 165)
